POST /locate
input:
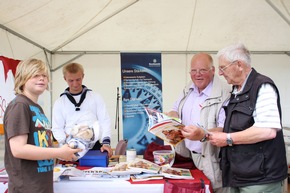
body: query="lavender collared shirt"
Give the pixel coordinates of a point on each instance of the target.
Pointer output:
(191, 112)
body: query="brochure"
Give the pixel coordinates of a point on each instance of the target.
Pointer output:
(145, 177)
(99, 174)
(142, 165)
(166, 128)
(137, 170)
(99, 177)
(165, 172)
(60, 172)
(176, 173)
(95, 173)
(122, 169)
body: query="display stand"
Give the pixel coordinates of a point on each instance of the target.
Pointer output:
(117, 123)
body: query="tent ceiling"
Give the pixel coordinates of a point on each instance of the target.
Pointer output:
(149, 25)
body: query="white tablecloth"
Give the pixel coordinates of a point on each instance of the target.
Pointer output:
(66, 186)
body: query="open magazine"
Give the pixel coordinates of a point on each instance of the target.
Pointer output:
(92, 174)
(175, 173)
(137, 170)
(145, 177)
(122, 169)
(142, 170)
(142, 165)
(165, 172)
(166, 128)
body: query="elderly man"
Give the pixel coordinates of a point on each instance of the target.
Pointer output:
(252, 145)
(200, 105)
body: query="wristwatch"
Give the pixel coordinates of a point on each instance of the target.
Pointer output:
(229, 140)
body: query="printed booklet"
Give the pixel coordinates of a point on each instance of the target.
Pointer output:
(145, 177)
(166, 128)
(176, 173)
(93, 174)
(143, 165)
(165, 172)
(137, 170)
(122, 169)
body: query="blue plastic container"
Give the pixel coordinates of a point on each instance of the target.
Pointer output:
(95, 158)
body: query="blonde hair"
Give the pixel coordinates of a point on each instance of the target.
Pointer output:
(27, 69)
(72, 68)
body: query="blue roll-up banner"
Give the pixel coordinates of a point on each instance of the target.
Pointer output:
(141, 87)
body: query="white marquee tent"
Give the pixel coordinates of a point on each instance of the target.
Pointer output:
(94, 32)
(148, 25)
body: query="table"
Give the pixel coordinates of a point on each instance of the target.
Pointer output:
(153, 186)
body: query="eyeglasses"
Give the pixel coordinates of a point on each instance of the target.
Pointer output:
(200, 71)
(225, 67)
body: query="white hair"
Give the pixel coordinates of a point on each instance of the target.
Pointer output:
(235, 52)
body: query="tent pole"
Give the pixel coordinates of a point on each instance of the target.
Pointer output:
(24, 38)
(165, 52)
(74, 58)
(278, 11)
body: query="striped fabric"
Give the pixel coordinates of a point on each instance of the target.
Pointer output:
(266, 113)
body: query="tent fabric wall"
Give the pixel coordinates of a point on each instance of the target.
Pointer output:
(149, 25)
(94, 33)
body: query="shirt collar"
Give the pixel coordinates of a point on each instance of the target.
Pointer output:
(235, 91)
(205, 91)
